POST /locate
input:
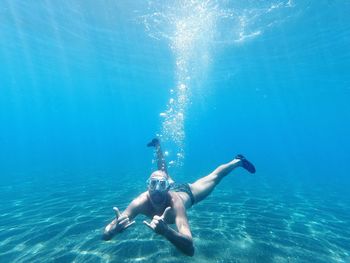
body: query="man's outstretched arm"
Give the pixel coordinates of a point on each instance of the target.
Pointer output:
(182, 239)
(125, 219)
(183, 242)
(120, 223)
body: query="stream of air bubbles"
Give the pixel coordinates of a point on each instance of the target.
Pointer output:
(194, 28)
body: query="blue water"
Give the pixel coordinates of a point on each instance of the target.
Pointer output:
(84, 85)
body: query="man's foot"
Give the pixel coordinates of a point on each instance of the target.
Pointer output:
(246, 164)
(153, 143)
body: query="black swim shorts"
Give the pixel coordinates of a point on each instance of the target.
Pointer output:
(182, 188)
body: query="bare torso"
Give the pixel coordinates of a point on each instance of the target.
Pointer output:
(174, 199)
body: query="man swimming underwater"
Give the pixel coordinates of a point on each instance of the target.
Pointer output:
(165, 202)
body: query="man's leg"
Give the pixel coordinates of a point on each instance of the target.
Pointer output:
(161, 163)
(205, 185)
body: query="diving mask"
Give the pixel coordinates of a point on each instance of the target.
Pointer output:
(158, 184)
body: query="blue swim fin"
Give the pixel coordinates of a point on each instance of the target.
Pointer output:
(153, 143)
(246, 164)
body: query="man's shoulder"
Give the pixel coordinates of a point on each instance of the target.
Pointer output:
(143, 197)
(141, 203)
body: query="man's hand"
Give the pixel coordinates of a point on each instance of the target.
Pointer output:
(157, 224)
(118, 224)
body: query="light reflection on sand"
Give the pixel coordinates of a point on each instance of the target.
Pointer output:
(64, 223)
